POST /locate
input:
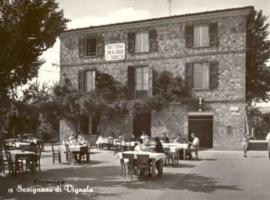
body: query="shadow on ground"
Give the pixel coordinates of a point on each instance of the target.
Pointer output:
(106, 182)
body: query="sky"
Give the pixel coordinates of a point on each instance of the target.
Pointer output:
(84, 13)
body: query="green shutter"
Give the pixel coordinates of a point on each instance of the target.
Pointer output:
(81, 47)
(153, 46)
(131, 82)
(213, 34)
(189, 75)
(81, 81)
(189, 31)
(100, 46)
(131, 42)
(214, 75)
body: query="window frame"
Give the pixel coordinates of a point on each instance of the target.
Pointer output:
(148, 42)
(86, 46)
(200, 63)
(201, 25)
(85, 76)
(136, 91)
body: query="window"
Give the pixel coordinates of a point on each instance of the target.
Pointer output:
(90, 80)
(91, 47)
(201, 36)
(202, 76)
(138, 82)
(142, 82)
(142, 42)
(87, 80)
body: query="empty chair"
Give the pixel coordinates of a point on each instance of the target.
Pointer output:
(143, 165)
(55, 154)
(128, 164)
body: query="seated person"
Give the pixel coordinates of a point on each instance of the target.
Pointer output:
(133, 138)
(194, 145)
(165, 138)
(82, 140)
(158, 149)
(73, 139)
(100, 141)
(180, 139)
(145, 138)
(140, 146)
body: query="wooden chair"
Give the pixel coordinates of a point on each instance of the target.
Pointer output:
(12, 165)
(143, 165)
(128, 164)
(34, 163)
(3, 163)
(55, 154)
(69, 155)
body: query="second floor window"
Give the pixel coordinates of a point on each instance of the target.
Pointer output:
(142, 42)
(91, 47)
(201, 36)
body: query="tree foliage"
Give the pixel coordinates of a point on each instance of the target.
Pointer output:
(258, 52)
(27, 29)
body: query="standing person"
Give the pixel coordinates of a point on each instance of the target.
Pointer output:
(245, 142)
(268, 141)
(195, 144)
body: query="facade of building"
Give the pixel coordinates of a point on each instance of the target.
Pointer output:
(208, 50)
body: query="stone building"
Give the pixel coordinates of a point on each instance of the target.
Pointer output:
(207, 49)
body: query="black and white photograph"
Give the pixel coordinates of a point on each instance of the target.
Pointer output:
(134, 100)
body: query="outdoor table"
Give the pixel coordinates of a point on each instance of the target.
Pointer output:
(17, 154)
(176, 146)
(154, 157)
(74, 148)
(18, 144)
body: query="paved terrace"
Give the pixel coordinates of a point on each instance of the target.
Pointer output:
(218, 175)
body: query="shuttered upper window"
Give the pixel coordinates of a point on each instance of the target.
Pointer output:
(91, 46)
(201, 35)
(139, 42)
(142, 42)
(202, 76)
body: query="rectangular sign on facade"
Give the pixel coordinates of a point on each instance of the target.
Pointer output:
(115, 51)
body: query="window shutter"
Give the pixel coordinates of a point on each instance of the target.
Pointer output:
(81, 81)
(153, 40)
(189, 32)
(131, 82)
(100, 46)
(81, 47)
(131, 42)
(213, 75)
(189, 75)
(213, 34)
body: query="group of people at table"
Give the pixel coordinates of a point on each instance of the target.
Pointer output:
(155, 147)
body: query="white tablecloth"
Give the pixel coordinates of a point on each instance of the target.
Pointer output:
(13, 153)
(152, 155)
(18, 144)
(102, 140)
(175, 146)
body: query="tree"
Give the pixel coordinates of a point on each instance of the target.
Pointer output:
(27, 29)
(258, 53)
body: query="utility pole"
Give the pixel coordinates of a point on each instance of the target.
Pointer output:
(170, 4)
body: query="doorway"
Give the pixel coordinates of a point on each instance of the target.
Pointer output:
(203, 127)
(142, 123)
